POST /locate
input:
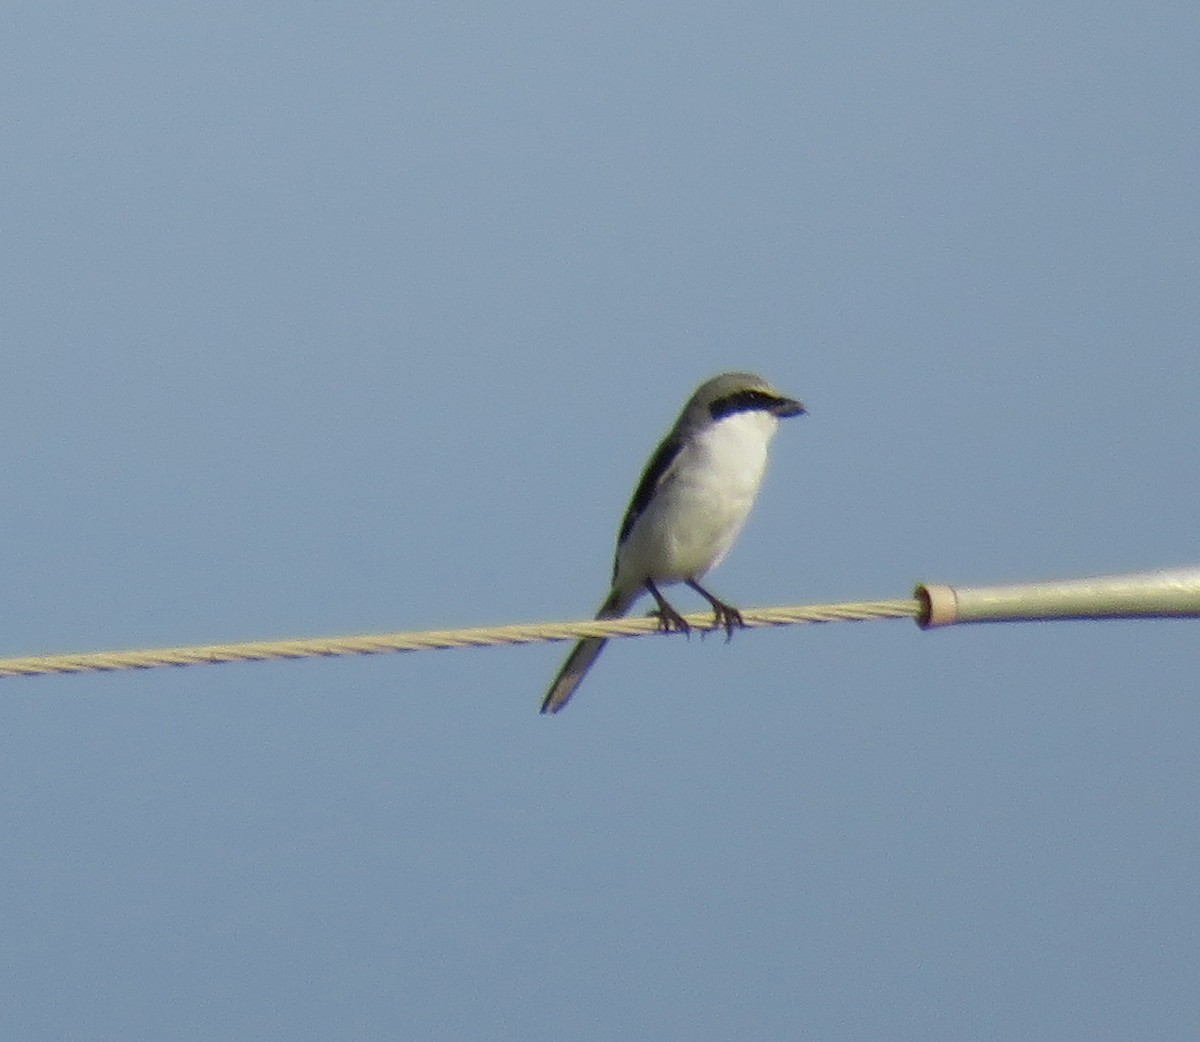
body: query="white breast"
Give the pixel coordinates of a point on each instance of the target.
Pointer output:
(699, 508)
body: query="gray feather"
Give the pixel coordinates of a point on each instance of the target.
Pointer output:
(583, 655)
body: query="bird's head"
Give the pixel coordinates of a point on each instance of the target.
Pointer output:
(732, 393)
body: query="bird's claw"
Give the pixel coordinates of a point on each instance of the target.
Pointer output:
(669, 620)
(727, 617)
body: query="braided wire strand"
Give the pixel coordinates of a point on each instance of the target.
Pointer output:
(429, 640)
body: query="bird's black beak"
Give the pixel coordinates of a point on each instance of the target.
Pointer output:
(788, 407)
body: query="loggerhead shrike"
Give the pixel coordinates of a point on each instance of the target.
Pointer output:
(695, 494)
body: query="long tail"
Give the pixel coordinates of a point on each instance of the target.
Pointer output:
(584, 654)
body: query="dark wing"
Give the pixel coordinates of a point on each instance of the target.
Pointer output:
(658, 466)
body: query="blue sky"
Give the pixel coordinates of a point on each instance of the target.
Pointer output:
(345, 318)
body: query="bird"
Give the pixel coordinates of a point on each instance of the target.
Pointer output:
(689, 506)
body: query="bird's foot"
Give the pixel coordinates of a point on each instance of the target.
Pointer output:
(670, 621)
(726, 616)
(668, 618)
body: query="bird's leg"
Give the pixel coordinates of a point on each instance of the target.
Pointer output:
(725, 615)
(668, 618)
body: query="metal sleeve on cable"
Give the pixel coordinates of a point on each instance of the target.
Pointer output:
(1173, 593)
